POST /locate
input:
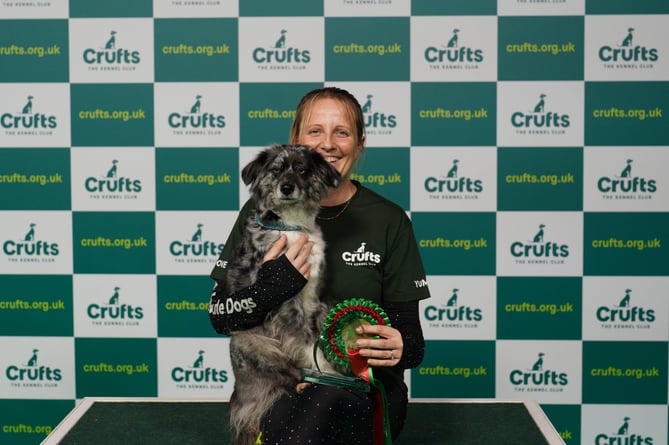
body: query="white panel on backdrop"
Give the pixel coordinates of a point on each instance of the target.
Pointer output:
(626, 308)
(461, 179)
(539, 243)
(194, 368)
(112, 178)
(281, 49)
(454, 48)
(184, 8)
(626, 47)
(117, 306)
(35, 115)
(36, 242)
(196, 114)
(545, 371)
(363, 8)
(624, 424)
(534, 7)
(626, 179)
(34, 10)
(540, 114)
(386, 107)
(37, 367)
(461, 308)
(188, 243)
(111, 50)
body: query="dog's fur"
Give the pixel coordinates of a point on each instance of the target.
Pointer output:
(287, 183)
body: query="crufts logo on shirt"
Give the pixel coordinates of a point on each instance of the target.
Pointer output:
(539, 248)
(361, 257)
(455, 54)
(540, 120)
(626, 186)
(198, 373)
(453, 185)
(280, 55)
(113, 312)
(625, 315)
(110, 56)
(196, 121)
(628, 51)
(30, 249)
(33, 374)
(622, 436)
(27, 121)
(538, 377)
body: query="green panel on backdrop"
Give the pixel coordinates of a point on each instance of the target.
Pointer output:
(545, 178)
(380, 52)
(182, 306)
(117, 8)
(267, 110)
(454, 7)
(39, 179)
(386, 171)
(27, 422)
(116, 367)
(455, 369)
(272, 8)
(626, 7)
(48, 41)
(456, 243)
(567, 421)
(36, 305)
(114, 242)
(197, 178)
(546, 308)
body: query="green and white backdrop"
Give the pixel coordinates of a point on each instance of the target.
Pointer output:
(527, 139)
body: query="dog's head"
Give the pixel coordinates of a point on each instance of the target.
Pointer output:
(282, 176)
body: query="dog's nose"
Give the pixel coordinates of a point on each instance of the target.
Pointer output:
(287, 189)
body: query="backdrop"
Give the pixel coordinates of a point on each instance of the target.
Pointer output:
(527, 139)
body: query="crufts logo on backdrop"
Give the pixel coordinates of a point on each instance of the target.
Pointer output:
(377, 122)
(453, 314)
(625, 315)
(454, 54)
(280, 55)
(112, 184)
(538, 377)
(111, 56)
(195, 249)
(453, 185)
(626, 185)
(627, 53)
(539, 250)
(30, 248)
(623, 436)
(33, 374)
(195, 121)
(540, 120)
(199, 376)
(27, 121)
(114, 312)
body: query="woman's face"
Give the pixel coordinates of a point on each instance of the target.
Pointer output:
(328, 129)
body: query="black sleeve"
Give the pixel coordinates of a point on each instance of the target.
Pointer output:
(404, 317)
(277, 281)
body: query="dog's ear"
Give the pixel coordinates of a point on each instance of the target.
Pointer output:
(251, 171)
(330, 175)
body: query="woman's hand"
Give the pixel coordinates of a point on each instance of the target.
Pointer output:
(386, 350)
(298, 253)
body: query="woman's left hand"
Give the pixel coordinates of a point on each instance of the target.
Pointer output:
(386, 350)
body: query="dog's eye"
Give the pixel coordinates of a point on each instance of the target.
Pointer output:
(302, 171)
(275, 170)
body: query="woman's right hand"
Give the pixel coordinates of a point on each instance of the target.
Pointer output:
(298, 253)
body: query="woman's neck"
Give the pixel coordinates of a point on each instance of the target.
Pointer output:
(341, 194)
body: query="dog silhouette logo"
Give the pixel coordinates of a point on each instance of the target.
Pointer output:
(539, 237)
(30, 236)
(453, 171)
(453, 41)
(199, 360)
(197, 236)
(28, 107)
(541, 105)
(111, 42)
(195, 108)
(453, 301)
(281, 41)
(539, 363)
(114, 297)
(33, 358)
(627, 41)
(111, 173)
(627, 171)
(624, 428)
(367, 107)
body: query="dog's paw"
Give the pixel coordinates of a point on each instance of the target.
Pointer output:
(300, 387)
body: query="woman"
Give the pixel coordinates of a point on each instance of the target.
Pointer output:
(371, 253)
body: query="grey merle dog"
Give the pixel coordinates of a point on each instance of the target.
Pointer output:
(287, 183)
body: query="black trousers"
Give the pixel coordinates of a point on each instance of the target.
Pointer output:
(324, 414)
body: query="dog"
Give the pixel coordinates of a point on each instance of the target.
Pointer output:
(287, 183)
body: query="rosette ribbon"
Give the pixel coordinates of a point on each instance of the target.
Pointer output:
(338, 337)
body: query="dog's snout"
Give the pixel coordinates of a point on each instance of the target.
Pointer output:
(287, 188)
